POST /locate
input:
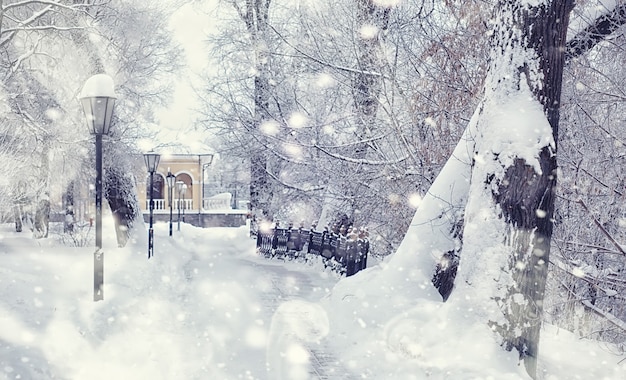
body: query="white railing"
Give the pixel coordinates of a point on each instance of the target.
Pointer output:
(183, 204)
(160, 204)
(217, 202)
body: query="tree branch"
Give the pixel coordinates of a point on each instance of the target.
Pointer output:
(601, 227)
(605, 314)
(589, 37)
(35, 16)
(44, 2)
(45, 27)
(358, 160)
(323, 62)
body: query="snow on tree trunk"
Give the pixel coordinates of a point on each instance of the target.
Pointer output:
(508, 219)
(120, 193)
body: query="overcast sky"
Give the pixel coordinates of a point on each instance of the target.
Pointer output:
(191, 24)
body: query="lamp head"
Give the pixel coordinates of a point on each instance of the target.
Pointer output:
(98, 100)
(152, 161)
(170, 178)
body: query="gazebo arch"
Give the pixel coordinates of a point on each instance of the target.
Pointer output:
(187, 179)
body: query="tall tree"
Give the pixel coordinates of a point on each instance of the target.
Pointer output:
(499, 218)
(371, 26)
(515, 175)
(255, 15)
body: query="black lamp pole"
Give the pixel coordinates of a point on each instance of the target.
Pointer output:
(184, 190)
(152, 163)
(98, 100)
(98, 255)
(171, 178)
(179, 187)
(151, 230)
(99, 191)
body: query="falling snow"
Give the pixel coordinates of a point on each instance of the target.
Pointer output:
(206, 306)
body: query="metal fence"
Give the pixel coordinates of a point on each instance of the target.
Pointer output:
(342, 249)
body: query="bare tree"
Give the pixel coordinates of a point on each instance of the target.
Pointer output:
(25, 29)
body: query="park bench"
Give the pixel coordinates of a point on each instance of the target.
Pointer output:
(342, 249)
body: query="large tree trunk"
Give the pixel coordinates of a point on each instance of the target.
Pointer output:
(255, 14)
(509, 213)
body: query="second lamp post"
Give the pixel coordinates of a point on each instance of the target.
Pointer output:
(152, 162)
(171, 179)
(181, 187)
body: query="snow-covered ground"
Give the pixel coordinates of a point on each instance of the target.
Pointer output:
(206, 307)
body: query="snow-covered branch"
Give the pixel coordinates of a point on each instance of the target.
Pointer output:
(609, 293)
(324, 62)
(357, 160)
(44, 27)
(602, 27)
(608, 316)
(590, 247)
(6, 38)
(602, 229)
(50, 3)
(35, 16)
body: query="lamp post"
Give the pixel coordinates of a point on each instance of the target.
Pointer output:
(184, 190)
(98, 99)
(152, 162)
(171, 178)
(179, 187)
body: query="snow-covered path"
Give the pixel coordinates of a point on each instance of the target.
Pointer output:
(204, 307)
(280, 292)
(207, 307)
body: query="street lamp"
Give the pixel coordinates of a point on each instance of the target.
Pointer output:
(152, 162)
(179, 187)
(98, 99)
(171, 179)
(184, 190)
